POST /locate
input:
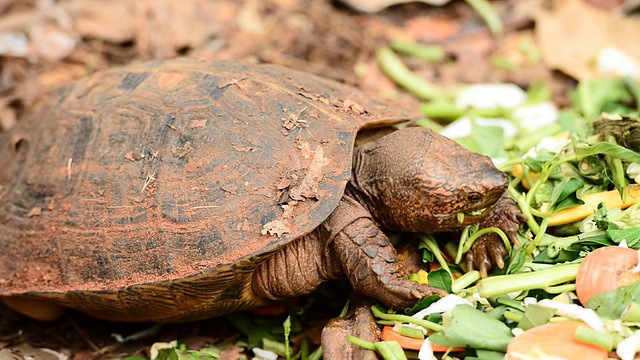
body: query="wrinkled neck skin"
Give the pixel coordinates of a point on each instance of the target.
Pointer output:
(362, 188)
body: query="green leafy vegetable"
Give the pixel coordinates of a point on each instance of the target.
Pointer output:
(441, 279)
(535, 315)
(473, 328)
(612, 303)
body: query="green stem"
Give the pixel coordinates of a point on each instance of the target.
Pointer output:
(508, 164)
(465, 280)
(390, 350)
(618, 175)
(435, 250)
(586, 98)
(406, 319)
(361, 343)
(547, 169)
(596, 338)
(559, 289)
(524, 208)
(513, 316)
(541, 231)
(488, 14)
(463, 240)
(345, 309)
(316, 354)
(393, 66)
(411, 332)
(565, 242)
(631, 313)
(429, 124)
(507, 301)
(483, 232)
(505, 284)
(412, 48)
(441, 109)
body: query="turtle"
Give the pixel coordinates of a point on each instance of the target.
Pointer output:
(185, 189)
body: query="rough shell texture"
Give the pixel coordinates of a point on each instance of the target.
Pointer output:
(163, 184)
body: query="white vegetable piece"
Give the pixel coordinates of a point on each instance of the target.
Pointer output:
(613, 61)
(574, 311)
(491, 96)
(14, 44)
(462, 127)
(373, 6)
(156, 347)
(536, 116)
(626, 349)
(426, 352)
(445, 304)
(262, 354)
(553, 144)
(633, 171)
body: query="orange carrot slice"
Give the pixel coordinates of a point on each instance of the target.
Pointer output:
(605, 269)
(408, 343)
(517, 170)
(553, 340)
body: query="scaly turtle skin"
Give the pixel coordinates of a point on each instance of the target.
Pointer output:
(182, 189)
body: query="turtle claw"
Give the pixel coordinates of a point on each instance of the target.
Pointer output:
(490, 250)
(485, 253)
(401, 293)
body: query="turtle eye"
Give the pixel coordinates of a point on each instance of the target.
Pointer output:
(474, 197)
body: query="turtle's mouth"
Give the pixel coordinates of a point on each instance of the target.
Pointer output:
(471, 217)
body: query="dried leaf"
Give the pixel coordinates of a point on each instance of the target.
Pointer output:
(572, 35)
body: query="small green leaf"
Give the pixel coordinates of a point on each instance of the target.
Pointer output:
(473, 328)
(177, 354)
(423, 304)
(571, 121)
(631, 236)
(608, 149)
(535, 315)
(563, 255)
(600, 217)
(441, 279)
(592, 97)
(488, 355)
(275, 346)
(536, 163)
(563, 195)
(254, 329)
(492, 148)
(612, 303)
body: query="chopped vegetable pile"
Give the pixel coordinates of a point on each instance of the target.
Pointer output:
(569, 288)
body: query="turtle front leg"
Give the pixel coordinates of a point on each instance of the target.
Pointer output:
(490, 250)
(369, 261)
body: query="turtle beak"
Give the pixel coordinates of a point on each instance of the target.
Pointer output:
(472, 217)
(481, 196)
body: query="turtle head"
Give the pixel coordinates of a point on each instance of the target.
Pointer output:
(418, 181)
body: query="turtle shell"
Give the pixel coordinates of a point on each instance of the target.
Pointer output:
(151, 192)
